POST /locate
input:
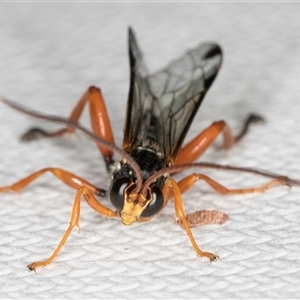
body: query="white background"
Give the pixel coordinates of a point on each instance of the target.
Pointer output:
(51, 53)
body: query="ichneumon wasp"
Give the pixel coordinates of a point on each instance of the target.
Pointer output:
(160, 110)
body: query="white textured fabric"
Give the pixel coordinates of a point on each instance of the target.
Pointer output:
(51, 52)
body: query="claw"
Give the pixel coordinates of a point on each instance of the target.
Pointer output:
(31, 267)
(32, 134)
(34, 265)
(212, 257)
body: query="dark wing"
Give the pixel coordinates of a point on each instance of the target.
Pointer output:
(139, 99)
(161, 107)
(178, 91)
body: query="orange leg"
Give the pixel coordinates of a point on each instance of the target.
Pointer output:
(191, 151)
(68, 178)
(180, 215)
(99, 121)
(196, 147)
(203, 217)
(74, 222)
(186, 183)
(172, 189)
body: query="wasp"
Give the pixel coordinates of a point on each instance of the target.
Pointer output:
(160, 110)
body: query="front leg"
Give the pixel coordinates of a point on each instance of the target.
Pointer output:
(74, 222)
(174, 190)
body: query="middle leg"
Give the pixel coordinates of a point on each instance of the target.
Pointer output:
(186, 183)
(66, 177)
(203, 217)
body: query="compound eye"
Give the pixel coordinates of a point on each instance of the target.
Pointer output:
(155, 205)
(117, 192)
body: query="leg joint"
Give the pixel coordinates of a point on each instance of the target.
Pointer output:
(93, 89)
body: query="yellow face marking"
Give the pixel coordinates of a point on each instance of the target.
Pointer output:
(134, 206)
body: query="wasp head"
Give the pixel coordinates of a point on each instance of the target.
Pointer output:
(133, 205)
